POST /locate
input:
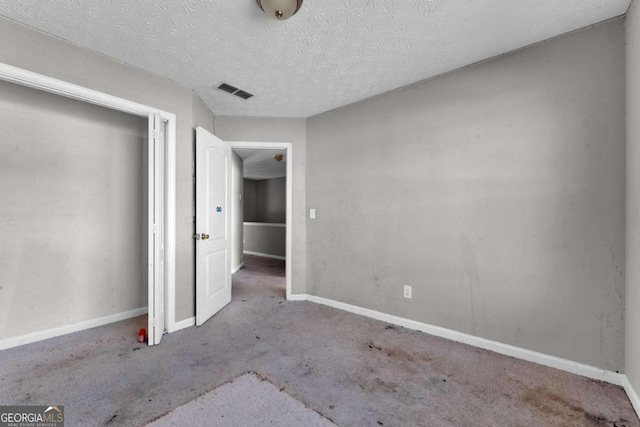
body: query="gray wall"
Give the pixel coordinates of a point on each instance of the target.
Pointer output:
(202, 117)
(279, 130)
(237, 211)
(34, 51)
(496, 191)
(250, 200)
(266, 200)
(265, 239)
(632, 296)
(272, 200)
(73, 212)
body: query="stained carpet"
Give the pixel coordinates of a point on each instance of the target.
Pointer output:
(350, 369)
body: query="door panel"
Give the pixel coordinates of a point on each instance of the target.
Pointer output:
(213, 222)
(216, 261)
(216, 218)
(156, 324)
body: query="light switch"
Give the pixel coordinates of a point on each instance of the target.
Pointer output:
(312, 214)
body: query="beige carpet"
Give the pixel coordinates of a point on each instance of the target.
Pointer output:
(245, 401)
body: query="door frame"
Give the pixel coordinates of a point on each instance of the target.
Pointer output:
(289, 202)
(166, 166)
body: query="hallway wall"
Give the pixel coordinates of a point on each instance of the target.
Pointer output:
(265, 200)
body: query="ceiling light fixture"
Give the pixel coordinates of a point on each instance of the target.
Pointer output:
(277, 157)
(280, 9)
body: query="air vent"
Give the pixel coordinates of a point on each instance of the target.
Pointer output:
(235, 91)
(228, 88)
(242, 94)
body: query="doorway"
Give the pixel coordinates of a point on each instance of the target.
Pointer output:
(268, 167)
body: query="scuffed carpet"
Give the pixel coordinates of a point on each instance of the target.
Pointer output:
(353, 370)
(245, 401)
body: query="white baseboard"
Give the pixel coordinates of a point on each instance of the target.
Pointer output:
(498, 347)
(238, 267)
(183, 324)
(68, 329)
(631, 393)
(264, 255)
(297, 297)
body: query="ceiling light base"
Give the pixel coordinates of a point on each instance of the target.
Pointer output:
(280, 9)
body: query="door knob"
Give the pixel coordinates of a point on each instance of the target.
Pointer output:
(204, 236)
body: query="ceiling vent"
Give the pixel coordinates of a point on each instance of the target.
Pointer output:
(235, 91)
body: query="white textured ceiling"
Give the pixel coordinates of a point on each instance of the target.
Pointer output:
(259, 164)
(332, 53)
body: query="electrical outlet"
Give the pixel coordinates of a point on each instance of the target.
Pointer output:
(407, 292)
(312, 214)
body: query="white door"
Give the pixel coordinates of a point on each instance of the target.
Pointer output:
(156, 233)
(213, 225)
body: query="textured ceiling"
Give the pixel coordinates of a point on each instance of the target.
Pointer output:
(332, 53)
(259, 164)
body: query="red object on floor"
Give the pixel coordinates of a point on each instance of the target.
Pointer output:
(142, 333)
